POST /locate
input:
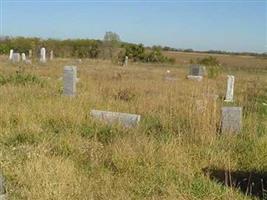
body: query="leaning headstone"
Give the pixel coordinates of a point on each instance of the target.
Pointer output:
(11, 54)
(51, 55)
(23, 57)
(43, 55)
(230, 89)
(196, 72)
(16, 57)
(126, 61)
(70, 79)
(231, 119)
(124, 119)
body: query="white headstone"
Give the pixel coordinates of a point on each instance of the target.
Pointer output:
(23, 57)
(11, 54)
(43, 55)
(51, 55)
(230, 89)
(125, 119)
(231, 119)
(126, 61)
(70, 79)
(16, 57)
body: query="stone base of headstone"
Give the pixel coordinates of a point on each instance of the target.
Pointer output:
(231, 119)
(195, 78)
(124, 119)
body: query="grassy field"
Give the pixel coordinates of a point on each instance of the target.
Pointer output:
(52, 149)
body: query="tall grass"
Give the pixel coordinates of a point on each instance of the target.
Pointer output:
(52, 149)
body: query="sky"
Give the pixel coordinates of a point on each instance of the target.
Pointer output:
(228, 25)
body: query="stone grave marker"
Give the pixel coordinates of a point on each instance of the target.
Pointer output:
(43, 55)
(51, 55)
(126, 61)
(11, 54)
(70, 79)
(23, 57)
(196, 72)
(125, 119)
(230, 89)
(231, 119)
(16, 57)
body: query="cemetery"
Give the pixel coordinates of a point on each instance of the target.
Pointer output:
(74, 130)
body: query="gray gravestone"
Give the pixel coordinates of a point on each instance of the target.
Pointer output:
(125, 119)
(231, 119)
(16, 57)
(196, 72)
(70, 79)
(51, 55)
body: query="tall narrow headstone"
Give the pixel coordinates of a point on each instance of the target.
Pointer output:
(51, 55)
(126, 61)
(43, 55)
(11, 54)
(30, 53)
(231, 119)
(16, 57)
(69, 79)
(23, 57)
(230, 89)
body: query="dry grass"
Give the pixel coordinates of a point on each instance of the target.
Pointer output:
(52, 149)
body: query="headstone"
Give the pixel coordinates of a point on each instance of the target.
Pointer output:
(231, 119)
(11, 54)
(126, 61)
(51, 55)
(16, 57)
(30, 53)
(125, 119)
(70, 79)
(43, 55)
(230, 89)
(23, 57)
(196, 72)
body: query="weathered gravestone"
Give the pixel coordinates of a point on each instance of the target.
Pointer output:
(125, 61)
(230, 89)
(70, 79)
(23, 57)
(2, 188)
(124, 119)
(231, 119)
(11, 54)
(16, 57)
(196, 72)
(43, 55)
(51, 55)
(30, 53)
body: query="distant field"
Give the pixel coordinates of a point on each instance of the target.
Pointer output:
(50, 148)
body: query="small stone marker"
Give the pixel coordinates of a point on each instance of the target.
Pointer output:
(51, 55)
(231, 119)
(16, 57)
(230, 89)
(11, 54)
(23, 57)
(196, 72)
(70, 79)
(125, 119)
(43, 55)
(30, 53)
(126, 61)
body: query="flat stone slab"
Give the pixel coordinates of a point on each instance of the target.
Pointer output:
(231, 119)
(125, 119)
(195, 78)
